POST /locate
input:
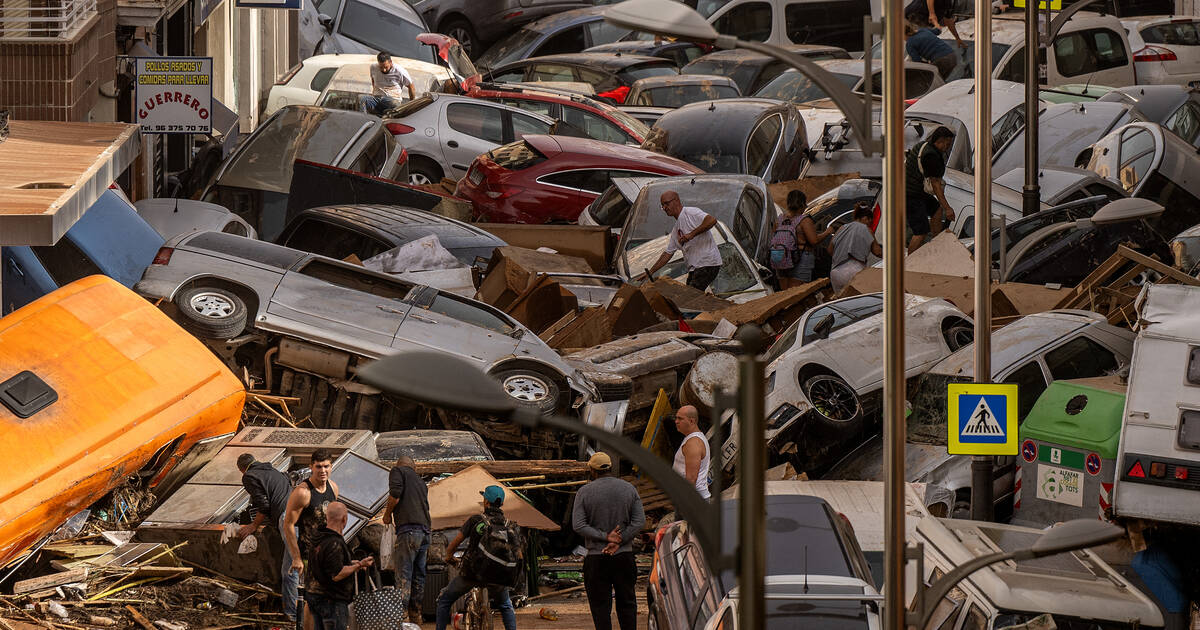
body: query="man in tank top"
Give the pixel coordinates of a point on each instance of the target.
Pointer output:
(306, 509)
(693, 459)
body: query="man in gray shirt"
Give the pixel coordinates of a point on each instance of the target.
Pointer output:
(851, 246)
(608, 514)
(387, 80)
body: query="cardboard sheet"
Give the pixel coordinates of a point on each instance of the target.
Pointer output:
(453, 500)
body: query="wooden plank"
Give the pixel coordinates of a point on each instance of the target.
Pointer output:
(1171, 272)
(507, 468)
(1106, 269)
(75, 551)
(137, 617)
(49, 581)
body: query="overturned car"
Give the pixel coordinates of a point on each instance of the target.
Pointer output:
(304, 324)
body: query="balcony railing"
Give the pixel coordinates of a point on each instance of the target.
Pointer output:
(43, 19)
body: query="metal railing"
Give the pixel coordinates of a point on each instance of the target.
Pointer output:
(43, 19)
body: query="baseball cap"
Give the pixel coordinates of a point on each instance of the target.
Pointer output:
(493, 495)
(600, 461)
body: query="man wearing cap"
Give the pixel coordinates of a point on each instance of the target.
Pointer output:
(471, 531)
(269, 490)
(608, 515)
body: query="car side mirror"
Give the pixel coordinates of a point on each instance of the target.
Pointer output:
(326, 21)
(824, 326)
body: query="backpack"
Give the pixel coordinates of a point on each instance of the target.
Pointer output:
(498, 555)
(784, 245)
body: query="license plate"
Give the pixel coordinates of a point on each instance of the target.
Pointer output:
(475, 176)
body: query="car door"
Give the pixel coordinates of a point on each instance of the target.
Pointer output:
(467, 130)
(762, 147)
(338, 305)
(448, 323)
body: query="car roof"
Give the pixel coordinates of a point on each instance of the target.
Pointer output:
(611, 62)
(735, 117)
(602, 152)
(242, 247)
(1009, 29)
(957, 98)
(1157, 102)
(406, 224)
(650, 83)
(1015, 342)
(564, 19)
(635, 45)
(742, 55)
(1051, 179)
(1077, 584)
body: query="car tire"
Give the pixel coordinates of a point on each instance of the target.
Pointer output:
(423, 172)
(211, 313)
(835, 404)
(958, 334)
(531, 388)
(461, 30)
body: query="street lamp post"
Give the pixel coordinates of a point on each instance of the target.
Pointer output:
(1069, 536)
(675, 19)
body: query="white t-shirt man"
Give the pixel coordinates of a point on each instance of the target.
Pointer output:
(699, 252)
(391, 83)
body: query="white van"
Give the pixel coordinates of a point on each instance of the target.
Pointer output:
(832, 22)
(1080, 591)
(1158, 461)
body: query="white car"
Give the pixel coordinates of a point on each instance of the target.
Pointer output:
(444, 133)
(361, 26)
(305, 81)
(1166, 48)
(825, 372)
(352, 81)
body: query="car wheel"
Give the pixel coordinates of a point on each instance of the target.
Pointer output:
(423, 172)
(834, 400)
(958, 334)
(211, 313)
(462, 31)
(531, 388)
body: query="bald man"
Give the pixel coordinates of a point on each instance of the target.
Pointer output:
(693, 459)
(331, 587)
(693, 235)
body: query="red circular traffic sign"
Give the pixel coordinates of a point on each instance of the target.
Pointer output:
(1029, 451)
(1092, 464)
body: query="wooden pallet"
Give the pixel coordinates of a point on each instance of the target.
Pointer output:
(1108, 289)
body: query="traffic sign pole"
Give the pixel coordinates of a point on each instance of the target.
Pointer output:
(981, 466)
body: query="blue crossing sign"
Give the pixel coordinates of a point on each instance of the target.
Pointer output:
(982, 419)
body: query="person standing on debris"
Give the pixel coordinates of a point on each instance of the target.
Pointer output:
(387, 81)
(608, 515)
(794, 244)
(692, 234)
(936, 13)
(693, 459)
(479, 526)
(924, 190)
(269, 489)
(925, 46)
(408, 506)
(331, 588)
(306, 508)
(851, 246)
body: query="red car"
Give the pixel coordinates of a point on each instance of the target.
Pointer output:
(598, 120)
(548, 179)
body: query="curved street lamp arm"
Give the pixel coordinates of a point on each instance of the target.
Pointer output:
(856, 109)
(699, 514)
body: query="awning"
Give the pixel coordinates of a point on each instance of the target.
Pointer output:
(51, 172)
(146, 13)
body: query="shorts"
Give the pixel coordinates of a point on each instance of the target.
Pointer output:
(918, 211)
(806, 263)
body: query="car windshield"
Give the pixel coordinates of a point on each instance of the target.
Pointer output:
(735, 275)
(510, 48)
(648, 70)
(1007, 619)
(798, 529)
(680, 95)
(377, 28)
(716, 197)
(927, 424)
(806, 614)
(611, 208)
(264, 162)
(796, 88)
(342, 99)
(844, 313)
(743, 73)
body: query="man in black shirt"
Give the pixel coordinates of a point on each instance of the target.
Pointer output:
(408, 506)
(935, 13)
(332, 588)
(924, 195)
(472, 530)
(269, 489)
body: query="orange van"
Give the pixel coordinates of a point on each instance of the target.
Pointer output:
(98, 386)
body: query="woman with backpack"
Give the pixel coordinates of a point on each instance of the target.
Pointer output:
(794, 244)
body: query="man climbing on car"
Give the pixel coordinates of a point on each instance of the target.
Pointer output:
(493, 558)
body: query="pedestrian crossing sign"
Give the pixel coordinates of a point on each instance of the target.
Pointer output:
(982, 419)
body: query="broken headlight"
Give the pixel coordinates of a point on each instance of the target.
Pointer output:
(782, 415)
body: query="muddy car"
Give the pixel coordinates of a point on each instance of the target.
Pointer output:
(674, 91)
(432, 446)
(1175, 107)
(1030, 352)
(1064, 132)
(795, 87)
(267, 307)
(1062, 184)
(751, 136)
(825, 376)
(753, 70)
